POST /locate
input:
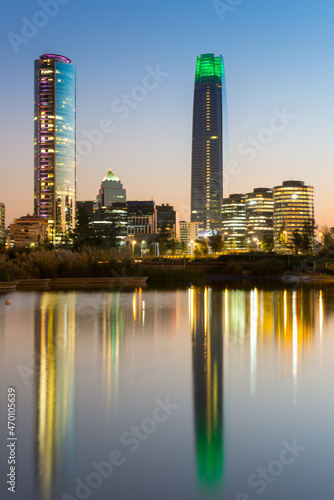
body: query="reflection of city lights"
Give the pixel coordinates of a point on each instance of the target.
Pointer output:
(254, 299)
(294, 338)
(55, 337)
(321, 321)
(134, 305)
(226, 310)
(285, 298)
(143, 313)
(191, 308)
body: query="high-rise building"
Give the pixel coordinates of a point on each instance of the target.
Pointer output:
(259, 214)
(293, 207)
(2, 223)
(209, 143)
(111, 191)
(55, 144)
(234, 222)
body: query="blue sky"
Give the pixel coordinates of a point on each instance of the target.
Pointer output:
(278, 57)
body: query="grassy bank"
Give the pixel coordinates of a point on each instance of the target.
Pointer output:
(88, 263)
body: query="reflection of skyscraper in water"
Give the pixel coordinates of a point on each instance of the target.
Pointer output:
(111, 326)
(54, 390)
(207, 350)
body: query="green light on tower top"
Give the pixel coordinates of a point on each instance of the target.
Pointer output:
(209, 68)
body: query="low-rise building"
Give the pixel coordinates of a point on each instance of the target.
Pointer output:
(142, 217)
(188, 234)
(29, 230)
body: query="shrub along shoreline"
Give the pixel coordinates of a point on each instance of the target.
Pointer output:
(48, 264)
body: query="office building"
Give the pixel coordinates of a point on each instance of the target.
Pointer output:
(2, 223)
(209, 143)
(55, 144)
(234, 222)
(142, 217)
(111, 222)
(111, 191)
(259, 215)
(28, 231)
(293, 207)
(86, 207)
(189, 234)
(168, 219)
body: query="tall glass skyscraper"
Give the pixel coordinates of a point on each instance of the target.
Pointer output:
(209, 143)
(55, 144)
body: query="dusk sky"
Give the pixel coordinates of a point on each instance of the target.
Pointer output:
(279, 75)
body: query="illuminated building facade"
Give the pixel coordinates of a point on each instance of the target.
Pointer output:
(28, 230)
(111, 222)
(111, 191)
(2, 223)
(234, 222)
(293, 207)
(142, 217)
(55, 144)
(259, 214)
(209, 143)
(188, 234)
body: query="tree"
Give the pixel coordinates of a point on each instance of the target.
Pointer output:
(282, 241)
(309, 228)
(216, 242)
(303, 240)
(162, 245)
(163, 239)
(297, 242)
(267, 244)
(173, 245)
(183, 247)
(202, 248)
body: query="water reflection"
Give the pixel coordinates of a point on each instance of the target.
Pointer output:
(111, 327)
(125, 330)
(207, 352)
(54, 386)
(284, 318)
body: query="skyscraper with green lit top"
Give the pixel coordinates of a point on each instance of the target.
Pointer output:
(209, 143)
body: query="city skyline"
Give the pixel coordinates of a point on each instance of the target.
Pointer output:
(275, 131)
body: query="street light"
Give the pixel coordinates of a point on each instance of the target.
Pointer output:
(322, 238)
(257, 243)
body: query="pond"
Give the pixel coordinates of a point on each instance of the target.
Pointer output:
(197, 393)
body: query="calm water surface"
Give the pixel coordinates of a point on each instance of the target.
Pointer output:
(186, 394)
